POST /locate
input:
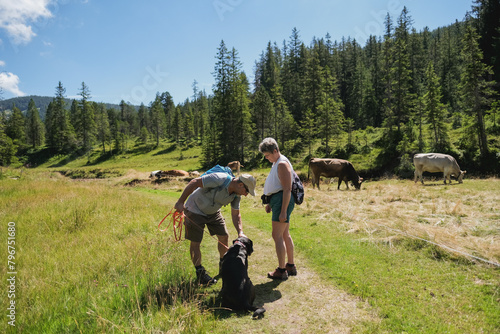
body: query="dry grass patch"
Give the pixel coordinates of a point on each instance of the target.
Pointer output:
(465, 217)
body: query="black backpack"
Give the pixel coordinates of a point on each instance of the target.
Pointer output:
(297, 189)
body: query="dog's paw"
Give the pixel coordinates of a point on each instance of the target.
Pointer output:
(259, 313)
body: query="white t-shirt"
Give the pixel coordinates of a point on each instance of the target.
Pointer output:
(273, 183)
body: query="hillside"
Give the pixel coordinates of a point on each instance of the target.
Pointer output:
(42, 102)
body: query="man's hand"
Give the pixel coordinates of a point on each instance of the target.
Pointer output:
(179, 206)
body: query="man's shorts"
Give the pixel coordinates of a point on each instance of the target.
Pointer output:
(275, 203)
(195, 224)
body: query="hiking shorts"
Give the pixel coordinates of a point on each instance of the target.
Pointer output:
(276, 202)
(195, 225)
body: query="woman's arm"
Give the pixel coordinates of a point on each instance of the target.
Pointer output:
(285, 176)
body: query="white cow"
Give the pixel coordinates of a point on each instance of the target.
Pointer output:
(437, 162)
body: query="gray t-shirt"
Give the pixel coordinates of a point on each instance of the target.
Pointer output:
(209, 199)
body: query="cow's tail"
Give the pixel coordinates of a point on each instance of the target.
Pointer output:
(309, 169)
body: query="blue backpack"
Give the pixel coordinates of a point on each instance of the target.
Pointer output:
(221, 169)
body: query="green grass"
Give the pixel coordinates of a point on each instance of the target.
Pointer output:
(413, 291)
(90, 258)
(140, 157)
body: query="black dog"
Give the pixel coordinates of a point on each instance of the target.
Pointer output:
(238, 292)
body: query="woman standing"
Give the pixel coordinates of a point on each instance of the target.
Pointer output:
(277, 192)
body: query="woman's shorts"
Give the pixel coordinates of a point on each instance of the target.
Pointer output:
(195, 224)
(276, 202)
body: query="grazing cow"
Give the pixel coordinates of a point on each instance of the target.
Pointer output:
(342, 169)
(235, 165)
(437, 162)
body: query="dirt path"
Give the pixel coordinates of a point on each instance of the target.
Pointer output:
(302, 303)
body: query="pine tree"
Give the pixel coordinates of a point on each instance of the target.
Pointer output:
(117, 136)
(15, 127)
(143, 117)
(261, 113)
(293, 74)
(388, 76)
(488, 25)
(241, 101)
(403, 99)
(375, 88)
(35, 130)
(103, 133)
(435, 111)
(157, 117)
(331, 121)
(307, 130)
(86, 128)
(169, 111)
(7, 148)
(475, 87)
(230, 107)
(282, 119)
(60, 132)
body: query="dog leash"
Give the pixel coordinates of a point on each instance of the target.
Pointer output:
(177, 222)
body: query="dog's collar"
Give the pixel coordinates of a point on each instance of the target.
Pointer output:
(237, 242)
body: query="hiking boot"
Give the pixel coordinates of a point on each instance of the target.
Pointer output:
(204, 278)
(291, 269)
(278, 274)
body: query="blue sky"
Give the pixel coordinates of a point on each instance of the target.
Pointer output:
(129, 50)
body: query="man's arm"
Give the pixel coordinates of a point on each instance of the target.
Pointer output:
(192, 186)
(238, 225)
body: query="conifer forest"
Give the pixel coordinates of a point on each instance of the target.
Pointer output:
(422, 91)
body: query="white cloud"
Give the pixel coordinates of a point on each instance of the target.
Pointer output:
(2, 63)
(16, 17)
(10, 83)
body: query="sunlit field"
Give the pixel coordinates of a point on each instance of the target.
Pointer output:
(90, 258)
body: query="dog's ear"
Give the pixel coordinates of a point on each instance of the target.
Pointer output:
(249, 245)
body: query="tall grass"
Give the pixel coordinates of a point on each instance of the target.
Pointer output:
(90, 259)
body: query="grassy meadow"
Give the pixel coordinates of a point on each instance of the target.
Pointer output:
(391, 258)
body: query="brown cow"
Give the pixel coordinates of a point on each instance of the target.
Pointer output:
(342, 169)
(235, 165)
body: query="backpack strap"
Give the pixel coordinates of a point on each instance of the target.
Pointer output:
(227, 181)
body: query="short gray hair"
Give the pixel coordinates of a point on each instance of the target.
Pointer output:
(268, 145)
